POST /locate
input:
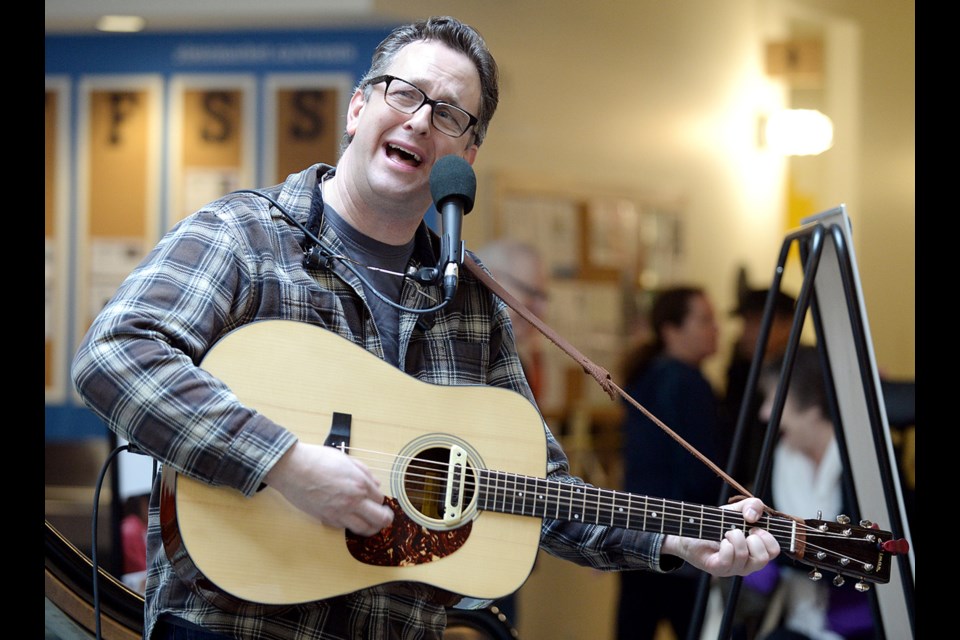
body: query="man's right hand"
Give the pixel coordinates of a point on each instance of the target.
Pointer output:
(331, 486)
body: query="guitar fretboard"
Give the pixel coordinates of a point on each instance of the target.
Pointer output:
(541, 498)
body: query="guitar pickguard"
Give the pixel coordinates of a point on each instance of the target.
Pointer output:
(405, 542)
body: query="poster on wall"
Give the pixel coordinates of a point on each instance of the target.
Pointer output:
(119, 206)
(212, 151)
(304, 120)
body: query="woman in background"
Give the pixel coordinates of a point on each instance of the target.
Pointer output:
(664, 375)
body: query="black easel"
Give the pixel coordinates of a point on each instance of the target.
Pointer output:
(831, 292)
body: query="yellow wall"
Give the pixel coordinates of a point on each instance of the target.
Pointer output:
(664, 98)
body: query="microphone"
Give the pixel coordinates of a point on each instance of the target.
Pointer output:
(453, 186)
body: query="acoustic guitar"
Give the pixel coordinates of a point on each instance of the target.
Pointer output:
(461, 466)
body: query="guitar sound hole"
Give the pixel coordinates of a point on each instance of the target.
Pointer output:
(425, 483)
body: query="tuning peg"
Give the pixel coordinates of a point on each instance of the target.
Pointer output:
(842, 519)
(862, 586)
(838, 581)
(867, 524)
(814, 574)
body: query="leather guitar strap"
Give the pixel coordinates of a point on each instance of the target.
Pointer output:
(598, 373)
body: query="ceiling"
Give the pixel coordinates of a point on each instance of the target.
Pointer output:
(80, 16)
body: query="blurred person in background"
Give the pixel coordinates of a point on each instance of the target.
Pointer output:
(782, 602)
(750, 310)
(664, 374)
(518, 266)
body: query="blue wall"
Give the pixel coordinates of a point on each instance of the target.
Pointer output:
(227, 52)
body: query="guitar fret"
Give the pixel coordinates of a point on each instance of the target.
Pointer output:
(591, 514)
(517, 494)
(598, 511)
(525, 495)
(710, 529)
(566, 494)
(613, 504)
(604, 507)
(508, 484)
(541, 488)
(672, 522)
(573, 493)
(562, 501)
(489, 489)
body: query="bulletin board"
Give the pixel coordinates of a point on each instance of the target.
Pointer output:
(605, 250)
(212, 142)
(304, 118)
(117, 185)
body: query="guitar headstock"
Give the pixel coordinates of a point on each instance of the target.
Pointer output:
(863, 551)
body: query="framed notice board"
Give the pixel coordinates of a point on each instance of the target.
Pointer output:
(117, 184)
(604, 251)
(212, 141)
(304, 118)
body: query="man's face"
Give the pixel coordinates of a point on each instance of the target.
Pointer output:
(395, 150)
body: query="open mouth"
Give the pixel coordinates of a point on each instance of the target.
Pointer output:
(404, 156)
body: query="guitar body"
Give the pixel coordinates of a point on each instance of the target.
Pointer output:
(262, 549)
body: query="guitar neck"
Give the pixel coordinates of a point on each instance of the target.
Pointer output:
(540, 498)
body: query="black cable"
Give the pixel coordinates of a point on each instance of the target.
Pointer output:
(96, 516)
(426, 275)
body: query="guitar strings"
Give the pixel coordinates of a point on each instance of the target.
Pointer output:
(425, 473)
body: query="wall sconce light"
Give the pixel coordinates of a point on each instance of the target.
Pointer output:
(121, 24)
(797, 132)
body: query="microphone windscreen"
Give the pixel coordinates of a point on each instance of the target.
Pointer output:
(453, 177)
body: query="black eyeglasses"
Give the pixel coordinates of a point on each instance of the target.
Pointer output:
(407, 98)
